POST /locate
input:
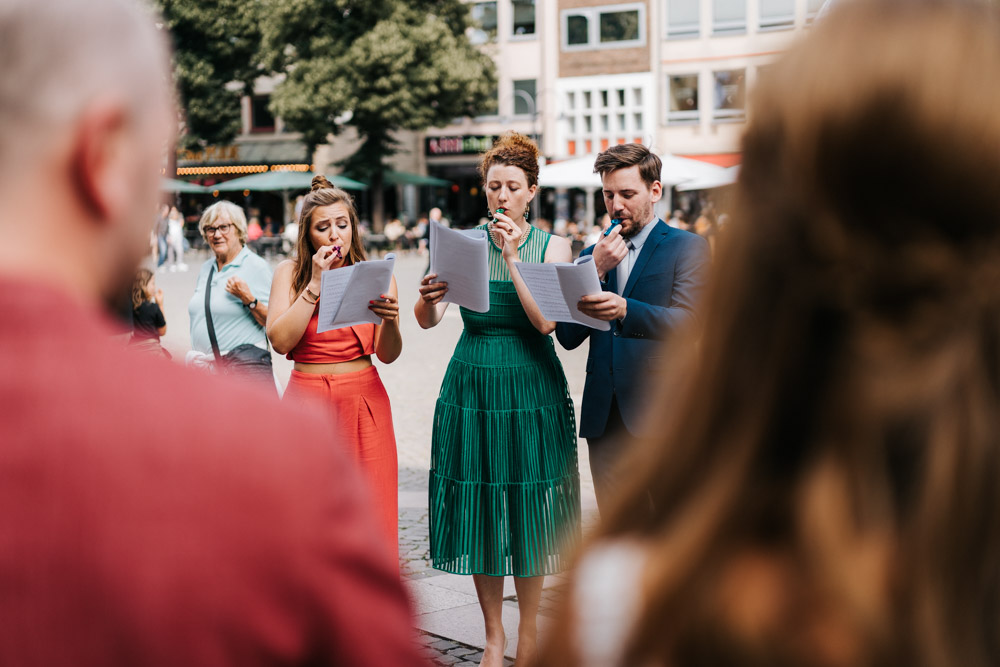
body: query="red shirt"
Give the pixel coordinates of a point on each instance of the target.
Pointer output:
(154, 516)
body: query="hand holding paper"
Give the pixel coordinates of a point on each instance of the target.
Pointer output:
(347, 293)
(460, 259)
(558, 287)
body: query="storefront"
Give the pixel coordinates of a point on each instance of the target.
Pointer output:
(217, 164)
(456, 158)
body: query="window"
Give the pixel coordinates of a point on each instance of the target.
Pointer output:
(730, 16)
(613, 26)
(577, 30)
(621, 97)
(586, 99)
(588, 124)
(570, 101)
(524, 18)
(572, 124)
(777, 14)
(524, 97)
(604, 98)
(621, 123)
(730, 86)
(637, 96)
(683, 19)
(484, 19)
(261, 119)
(619, 26)
(683, 99)
(604, 123)
(638, 122)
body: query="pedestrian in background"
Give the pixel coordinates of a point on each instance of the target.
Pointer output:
(226, 534)
(333, 370)
(652, 277)
(175, 240)
(825, 483)
(504, 479)
(229, 306)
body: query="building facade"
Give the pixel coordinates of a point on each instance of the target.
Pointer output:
(671, 74)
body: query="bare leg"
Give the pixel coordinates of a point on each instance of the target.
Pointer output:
(529, 594)
(490, 592)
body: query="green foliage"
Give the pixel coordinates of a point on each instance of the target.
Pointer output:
(386, 64)
(216, 43)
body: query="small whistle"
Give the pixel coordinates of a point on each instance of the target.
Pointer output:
(614, 223)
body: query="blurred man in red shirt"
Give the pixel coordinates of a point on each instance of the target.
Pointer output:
(231, 536)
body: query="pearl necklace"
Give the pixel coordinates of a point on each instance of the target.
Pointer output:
(498, 240)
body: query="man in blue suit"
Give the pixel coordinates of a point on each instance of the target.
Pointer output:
(652, 277)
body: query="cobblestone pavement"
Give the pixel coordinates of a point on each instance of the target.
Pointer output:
(443, 651)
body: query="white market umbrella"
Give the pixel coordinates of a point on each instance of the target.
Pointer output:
(727, 177)
(573, 173)
(579, 172)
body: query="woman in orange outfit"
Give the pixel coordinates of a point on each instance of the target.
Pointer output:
(335, 367)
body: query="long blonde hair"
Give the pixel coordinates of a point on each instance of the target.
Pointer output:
(323, 193)
(842, 422)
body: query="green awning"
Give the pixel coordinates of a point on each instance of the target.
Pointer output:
(284, 180)
(174, 185)
(407, 178)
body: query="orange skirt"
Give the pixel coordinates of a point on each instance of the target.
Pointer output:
(359, 406)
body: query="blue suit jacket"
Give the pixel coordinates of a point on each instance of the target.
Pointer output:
(663, 291)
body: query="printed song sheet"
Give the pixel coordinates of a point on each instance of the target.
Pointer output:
(346, 292)
(459, 258)
(557, 288)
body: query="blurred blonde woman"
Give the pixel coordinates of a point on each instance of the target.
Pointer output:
(826, 489)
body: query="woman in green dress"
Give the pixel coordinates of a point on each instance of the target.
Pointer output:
(504, 479)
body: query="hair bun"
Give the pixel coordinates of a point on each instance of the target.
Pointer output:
(320, 182)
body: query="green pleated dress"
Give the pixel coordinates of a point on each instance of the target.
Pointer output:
(504, 479)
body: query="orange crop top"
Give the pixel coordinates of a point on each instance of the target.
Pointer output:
(331, 347)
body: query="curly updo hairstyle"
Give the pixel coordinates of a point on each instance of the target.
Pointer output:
(513, 149)
(323, 193)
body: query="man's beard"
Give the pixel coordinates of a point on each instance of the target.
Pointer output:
(634, 225)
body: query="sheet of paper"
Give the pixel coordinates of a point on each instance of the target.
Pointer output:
(557, 288)
(460, 259)
(543, 283)
(350, 289)
(576, 281)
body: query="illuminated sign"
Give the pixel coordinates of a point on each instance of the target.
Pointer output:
(461, 145)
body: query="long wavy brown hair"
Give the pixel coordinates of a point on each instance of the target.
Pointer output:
(140, 287)
(323, 193)
(826, 482)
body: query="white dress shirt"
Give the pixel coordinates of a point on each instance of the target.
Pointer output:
(634, 244)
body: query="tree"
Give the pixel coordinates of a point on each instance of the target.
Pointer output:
(216, 45)
(381, 65)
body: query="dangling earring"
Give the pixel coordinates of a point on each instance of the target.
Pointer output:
(527, 209)
(489, 216)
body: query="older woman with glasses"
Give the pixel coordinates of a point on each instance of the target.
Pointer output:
(229, 306)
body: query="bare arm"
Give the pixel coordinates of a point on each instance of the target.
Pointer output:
(557, 251)
(239, 288)
(429, 308)
(289, 313)
(388, 340)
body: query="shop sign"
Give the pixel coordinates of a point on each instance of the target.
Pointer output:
(469, 144)
(229, 153)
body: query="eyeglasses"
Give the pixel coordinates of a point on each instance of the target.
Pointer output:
(222, 229)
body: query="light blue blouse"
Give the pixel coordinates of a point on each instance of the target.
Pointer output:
(234, 325)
